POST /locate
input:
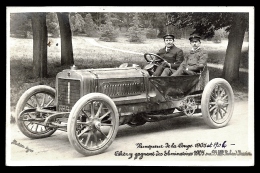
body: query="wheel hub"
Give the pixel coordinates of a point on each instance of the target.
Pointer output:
(94, 123)
(219, 103)
(97, 124)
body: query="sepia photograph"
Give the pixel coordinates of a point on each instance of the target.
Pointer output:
(130, 86)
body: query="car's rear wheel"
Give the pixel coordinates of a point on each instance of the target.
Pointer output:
(29, 122)
(93, 124)
(217, 103)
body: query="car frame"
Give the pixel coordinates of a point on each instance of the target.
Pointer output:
(90, 104)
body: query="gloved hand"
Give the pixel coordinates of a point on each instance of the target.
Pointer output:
(165, 64)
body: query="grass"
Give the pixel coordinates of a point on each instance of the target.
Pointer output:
(89, 56)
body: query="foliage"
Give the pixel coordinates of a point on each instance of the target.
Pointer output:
(151, 33)
(20, 25)
(77, 23)
(204, 23)
(90, 28)
(53, 24)
(135, 33)
(108, 32)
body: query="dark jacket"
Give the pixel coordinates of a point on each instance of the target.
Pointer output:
(195, 60)
(174, 56)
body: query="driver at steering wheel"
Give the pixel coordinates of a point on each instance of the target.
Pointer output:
(173, 56)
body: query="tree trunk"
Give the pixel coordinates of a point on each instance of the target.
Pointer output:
(233, 53)
(66, 39)
(39, 44)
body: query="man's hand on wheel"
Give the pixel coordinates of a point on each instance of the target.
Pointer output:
(166, 64)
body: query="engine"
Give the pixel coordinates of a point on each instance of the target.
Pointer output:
(72, 84)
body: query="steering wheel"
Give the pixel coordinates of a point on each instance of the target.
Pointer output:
(153, 60)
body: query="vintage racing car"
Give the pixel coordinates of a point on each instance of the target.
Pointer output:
(90, 104)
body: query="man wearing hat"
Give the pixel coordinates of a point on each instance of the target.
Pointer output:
(195, 60)
(172, 54)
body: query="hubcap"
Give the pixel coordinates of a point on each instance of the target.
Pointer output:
(97, 124)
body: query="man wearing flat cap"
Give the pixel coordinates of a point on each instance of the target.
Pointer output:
(195, 60)
(172, 54)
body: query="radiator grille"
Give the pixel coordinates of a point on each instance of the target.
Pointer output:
(119, 89)
(68, 93)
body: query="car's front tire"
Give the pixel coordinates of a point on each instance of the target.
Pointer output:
(93, 124)
(37, 96)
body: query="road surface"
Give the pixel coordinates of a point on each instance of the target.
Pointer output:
(56, 150)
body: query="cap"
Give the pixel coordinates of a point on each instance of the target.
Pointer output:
(194, 37)
(169, 36)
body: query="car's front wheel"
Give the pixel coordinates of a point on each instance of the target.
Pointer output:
(217, 103)
(28, 119)
(93, 124)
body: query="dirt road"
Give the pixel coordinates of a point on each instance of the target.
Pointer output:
(56, 150)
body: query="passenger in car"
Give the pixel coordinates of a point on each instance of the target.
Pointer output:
(172, 54)
(195, 60)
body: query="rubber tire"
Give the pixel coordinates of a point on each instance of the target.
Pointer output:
(205, 100)
(72, 122)
(21, 103)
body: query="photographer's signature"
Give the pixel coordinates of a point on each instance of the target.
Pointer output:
(21, 145)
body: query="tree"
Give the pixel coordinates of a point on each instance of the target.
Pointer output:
(135, 33)
(52, 24)
(66, 39)
(108, 33)
(90, 27)
(234, 48)
(20, 24)
(77, 23)
(159, 22)
(206, 23)
(39, 44)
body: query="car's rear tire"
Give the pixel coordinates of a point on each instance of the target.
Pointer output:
(33, 98)
(217, 103)
(93, 124)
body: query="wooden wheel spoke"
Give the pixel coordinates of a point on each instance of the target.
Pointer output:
(30, 105)
(216, 113)
(92, 109)
(223, 98)
(43, 100)
(85, 113)
(224, 110)
(36, 127)
(219, 91)
(220, 113)
(36, 100)
(102, 133)
(88, 136)
(215, 91)
(99, 110)
(225, 104)
(48, 104)
(222, 92)
(212, 103)
(95, 137)
(212, 108)
(212, 97)
(83, 131)
(32, 126)
(103, 116)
